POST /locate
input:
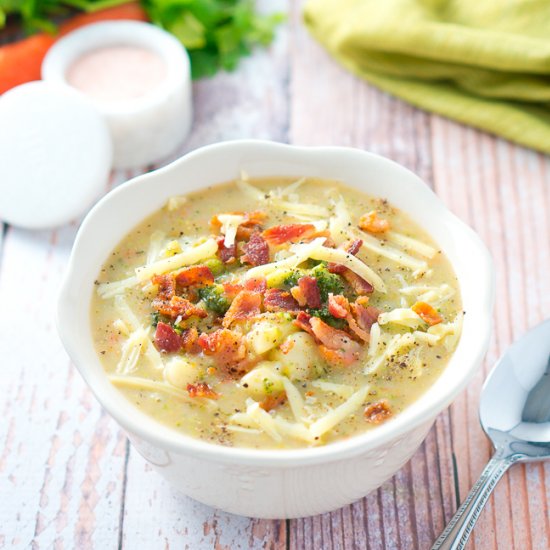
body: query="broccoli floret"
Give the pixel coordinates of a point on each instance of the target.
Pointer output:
(155, 318)
(325, 316)
(292, 279)
(326, 281)
(216, 266)
(214, 299)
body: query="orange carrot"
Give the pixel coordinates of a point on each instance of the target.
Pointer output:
(427, 313)
(20, 62)
(372, 223)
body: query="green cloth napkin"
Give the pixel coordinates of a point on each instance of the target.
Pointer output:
(482, 62)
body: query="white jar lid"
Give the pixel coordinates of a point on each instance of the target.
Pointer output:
(55, 155)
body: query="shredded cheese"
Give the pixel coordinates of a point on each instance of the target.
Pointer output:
(139, 383)
(401, 316)
(190, 256)
(393, 347)
(176, 202)
(375, 337)
(248, 189)
(230, 224)
(122, 327)
(263, 419)
(155, 246)
(327, 422)
(341, 390)
(295, 399)
(340, 256)
(391, 253)
(300, 208)
(109, 290)
(409, 243)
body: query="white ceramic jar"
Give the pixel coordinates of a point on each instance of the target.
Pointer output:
(277, 483)
(144, 129)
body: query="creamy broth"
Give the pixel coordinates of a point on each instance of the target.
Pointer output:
(289, 384)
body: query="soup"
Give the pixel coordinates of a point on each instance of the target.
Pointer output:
(275, 313)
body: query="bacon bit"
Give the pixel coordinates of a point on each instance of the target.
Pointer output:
(352, 247)
(338, 306)
(202, 389)
(298, 295)
(256, 251)
(303, 321)
(333, 338)
(246, 305)
(372, 223)
(167, 339)
(357, 283)
(280, 234)
(251, 219)
(310, 290)
(378, 412)
(341, 358)
(232, 289)
(272, 401)
(177, 306)
(198, 275)
(256, 284)
(366, 316)
(227, 254)
(190, 339)
(287, 345)
(227, 348)
(276, 299)
(166, 284)
(427, 313)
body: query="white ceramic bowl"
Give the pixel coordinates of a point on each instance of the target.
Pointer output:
(267, 483)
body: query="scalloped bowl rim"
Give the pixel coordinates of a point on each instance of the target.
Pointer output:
(73, 316)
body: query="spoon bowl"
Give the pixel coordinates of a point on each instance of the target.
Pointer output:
(515, 414)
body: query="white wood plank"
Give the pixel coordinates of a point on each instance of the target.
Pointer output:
(156, 516)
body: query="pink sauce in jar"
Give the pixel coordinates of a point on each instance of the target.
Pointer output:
(116, 74)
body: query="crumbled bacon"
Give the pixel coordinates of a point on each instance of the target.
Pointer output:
(357, 283)
(298, 295)
(427, 313)
(251, 219)
(341, 357)
(202, 389)
(280, 234)
(310, 290)
(167, 339)
(303, 321)
(227, 254)
(366, 316)
(372, 223)
(227, 348)
(276, 299)
(256, 251)
(375, 413)
(197, 275)
(246, 305)
(338, 306)
(353, 248)
(166, 284)
(190, 339)
(178, 306)
(273, 401)
(256, 284)
(332, 337)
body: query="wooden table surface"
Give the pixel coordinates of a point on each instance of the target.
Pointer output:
(68, 477)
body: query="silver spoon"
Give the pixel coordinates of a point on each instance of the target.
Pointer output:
(515, 413)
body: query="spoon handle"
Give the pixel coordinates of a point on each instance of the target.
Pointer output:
(456, 534)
